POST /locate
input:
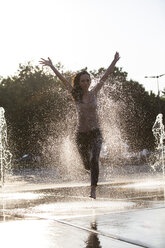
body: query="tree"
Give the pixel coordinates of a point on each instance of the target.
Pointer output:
(137, 109)
(32, 100)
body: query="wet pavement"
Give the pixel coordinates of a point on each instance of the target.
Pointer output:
(126, 214)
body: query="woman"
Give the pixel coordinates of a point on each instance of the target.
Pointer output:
(88, 136)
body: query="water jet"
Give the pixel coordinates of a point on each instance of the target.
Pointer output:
(5, 155)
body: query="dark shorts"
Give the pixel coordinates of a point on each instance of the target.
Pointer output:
(89, 146)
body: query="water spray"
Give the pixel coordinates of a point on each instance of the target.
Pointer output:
(5, 155)
(159, 134)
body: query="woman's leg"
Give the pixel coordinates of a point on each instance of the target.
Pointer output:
(96, 142)
(83, 148)
(90, 142)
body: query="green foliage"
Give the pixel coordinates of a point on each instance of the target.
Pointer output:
(137, 115)
(163, 94)
(138, 109)
(32, 100)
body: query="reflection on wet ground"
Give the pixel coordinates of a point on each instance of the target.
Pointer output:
(125, 214)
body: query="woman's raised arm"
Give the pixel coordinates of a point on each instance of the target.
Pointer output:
(106, 74)
(49, 63)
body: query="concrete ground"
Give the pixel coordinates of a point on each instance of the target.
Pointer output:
(127, 213)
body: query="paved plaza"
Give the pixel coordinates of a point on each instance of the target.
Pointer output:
(126, 214)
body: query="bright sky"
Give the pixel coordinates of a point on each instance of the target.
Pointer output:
(80, 33)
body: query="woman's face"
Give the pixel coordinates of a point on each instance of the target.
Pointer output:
(85, 82)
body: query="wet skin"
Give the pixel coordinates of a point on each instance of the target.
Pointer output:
(87, 109)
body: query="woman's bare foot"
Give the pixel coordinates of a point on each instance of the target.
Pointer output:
(93, 192)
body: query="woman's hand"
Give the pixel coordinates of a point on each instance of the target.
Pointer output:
(45, 62)
(117, 56)
(48, 62)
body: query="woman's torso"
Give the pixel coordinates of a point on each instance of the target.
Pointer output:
(87, 113)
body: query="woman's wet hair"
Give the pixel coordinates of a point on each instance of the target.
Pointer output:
(77, 92)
